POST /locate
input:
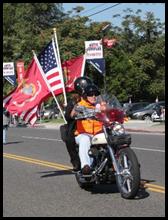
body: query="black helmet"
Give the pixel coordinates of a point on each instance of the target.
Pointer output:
(91, 90)
(80, 84)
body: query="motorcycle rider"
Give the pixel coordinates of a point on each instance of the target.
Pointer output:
(87, 127)
(79, 86)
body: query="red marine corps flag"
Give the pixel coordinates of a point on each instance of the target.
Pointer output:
(73, 69)
(29, 93)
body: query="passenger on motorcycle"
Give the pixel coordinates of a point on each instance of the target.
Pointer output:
(87, 126)
(79, 85)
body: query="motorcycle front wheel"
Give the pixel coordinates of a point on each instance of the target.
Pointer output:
(128, 181)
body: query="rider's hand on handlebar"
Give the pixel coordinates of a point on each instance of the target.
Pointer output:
(103, 106)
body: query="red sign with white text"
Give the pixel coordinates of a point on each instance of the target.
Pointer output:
(20, 71)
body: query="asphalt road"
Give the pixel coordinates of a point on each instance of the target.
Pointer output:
(38, 182)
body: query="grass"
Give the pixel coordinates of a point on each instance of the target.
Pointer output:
(54, 121)
(59, 120)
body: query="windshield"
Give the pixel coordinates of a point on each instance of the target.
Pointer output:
(114, 111)
(112, 101)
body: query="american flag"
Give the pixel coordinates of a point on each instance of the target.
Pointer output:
(49, 63)
(30, 116)
(7, 98)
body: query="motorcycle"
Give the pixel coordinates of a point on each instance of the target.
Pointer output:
(113, 158)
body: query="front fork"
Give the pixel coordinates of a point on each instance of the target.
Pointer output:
(111, 151)
(115, 164)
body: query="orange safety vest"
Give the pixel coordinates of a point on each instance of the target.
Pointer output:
(90, 126)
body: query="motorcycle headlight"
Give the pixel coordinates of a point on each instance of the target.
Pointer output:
(118, 129)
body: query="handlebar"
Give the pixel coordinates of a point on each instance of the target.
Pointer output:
(84, 112)
(107, 116)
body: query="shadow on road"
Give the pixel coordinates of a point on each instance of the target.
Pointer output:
(101, 188)
(14, 142)
(112, 188)
(57, 173)
(142, 189)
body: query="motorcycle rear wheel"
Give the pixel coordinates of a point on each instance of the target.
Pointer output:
(128, 181)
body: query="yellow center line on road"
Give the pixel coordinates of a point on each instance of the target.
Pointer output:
(154, 188)
(58, 166)
(35, 161)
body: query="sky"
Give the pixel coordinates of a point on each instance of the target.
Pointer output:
(157, 8)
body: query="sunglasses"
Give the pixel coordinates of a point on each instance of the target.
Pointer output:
(93, 94)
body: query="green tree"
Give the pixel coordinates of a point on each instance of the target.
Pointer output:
(143, 42)
(24, 31)
(23, 26)
(134, 66)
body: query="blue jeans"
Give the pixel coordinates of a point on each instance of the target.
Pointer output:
(4, 134)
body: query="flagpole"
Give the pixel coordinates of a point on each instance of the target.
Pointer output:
(43, 75)
(83, 65)
(105, 66)
(59, 62)
(106, 28)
